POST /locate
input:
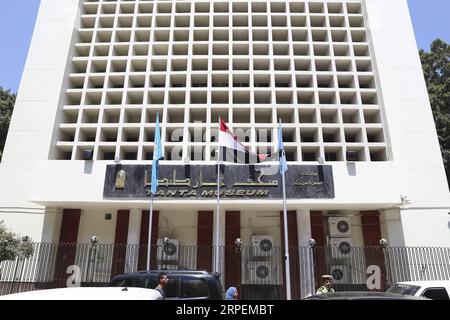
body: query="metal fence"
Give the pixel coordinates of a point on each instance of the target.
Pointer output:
(258, 273)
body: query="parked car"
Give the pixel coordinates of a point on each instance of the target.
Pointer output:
(435, 290)
(87, 293)
(362, 295)
(182, 284)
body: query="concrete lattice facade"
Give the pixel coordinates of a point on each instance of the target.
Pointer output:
(251, 63)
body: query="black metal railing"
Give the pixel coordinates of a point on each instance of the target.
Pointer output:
(259, 273)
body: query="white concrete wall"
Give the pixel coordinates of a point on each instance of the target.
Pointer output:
(24, 223)
(426, 227)
(361, 186)
(179, 224)
(52, 225)
(261, 222)
(409, 118)
(413, 134)
(416, 227)
(92, 222)
(357, 231)
(34, 113)
(392, 228)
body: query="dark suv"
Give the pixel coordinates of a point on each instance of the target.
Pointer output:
(182, 284)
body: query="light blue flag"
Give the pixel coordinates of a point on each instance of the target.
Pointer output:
(281, 153)
(157, 155)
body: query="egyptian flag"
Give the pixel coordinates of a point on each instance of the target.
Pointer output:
(232, 150)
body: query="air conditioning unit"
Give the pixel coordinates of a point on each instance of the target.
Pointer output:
(168, 266)
(168, 251)
(261, 272)
(102, 267)
(341, 247)
(262, 246)
(340, 226)
(341, 274)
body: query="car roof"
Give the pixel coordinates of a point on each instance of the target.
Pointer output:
(87, 293)
(362, 295)
(429, 283)
(169, 272)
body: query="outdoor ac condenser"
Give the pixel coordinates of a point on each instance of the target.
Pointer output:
(260, 272)
(262, 246)
(340, 226)
(168, 251)
(341, 247)
(341, 273)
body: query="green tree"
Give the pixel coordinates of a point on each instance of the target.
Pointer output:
(12, 246)
(7, 101)
(436, 68)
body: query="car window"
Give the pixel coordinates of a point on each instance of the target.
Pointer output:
(125, 282)
(411, 290)
(436, 294)
(193, 288)
(171, 287)
(218, 288)
(396, 289)
(404, 289)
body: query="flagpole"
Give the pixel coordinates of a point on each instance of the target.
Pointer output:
(283, 169)
(286, 243)
(149, 242)
(157, 155)
(217, 269)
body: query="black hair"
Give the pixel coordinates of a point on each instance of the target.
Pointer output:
(162, 275)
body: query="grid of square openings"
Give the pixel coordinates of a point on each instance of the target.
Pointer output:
(250, 62)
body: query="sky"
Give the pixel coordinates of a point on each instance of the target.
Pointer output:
(17, 18)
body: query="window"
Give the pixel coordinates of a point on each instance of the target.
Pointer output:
(436, 294)
(193, 288)
(404, 289)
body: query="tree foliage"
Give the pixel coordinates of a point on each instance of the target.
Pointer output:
(436, 68)
(7, 101)
(12, 246)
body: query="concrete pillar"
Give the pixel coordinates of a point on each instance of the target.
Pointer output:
(306, 260)
(221, 240)
(392, 228)
(51, 225)
(134, 229)
(303, 227)
(134, 226)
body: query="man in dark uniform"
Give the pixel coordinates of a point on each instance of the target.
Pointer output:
(326, 287)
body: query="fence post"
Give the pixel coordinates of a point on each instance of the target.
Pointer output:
(91, 260)
(22, 265)
(312, 250)
(14, 276)
(385, 245)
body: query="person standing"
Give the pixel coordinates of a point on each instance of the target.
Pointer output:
(162, 284)
(231, 294)
(326, 286)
